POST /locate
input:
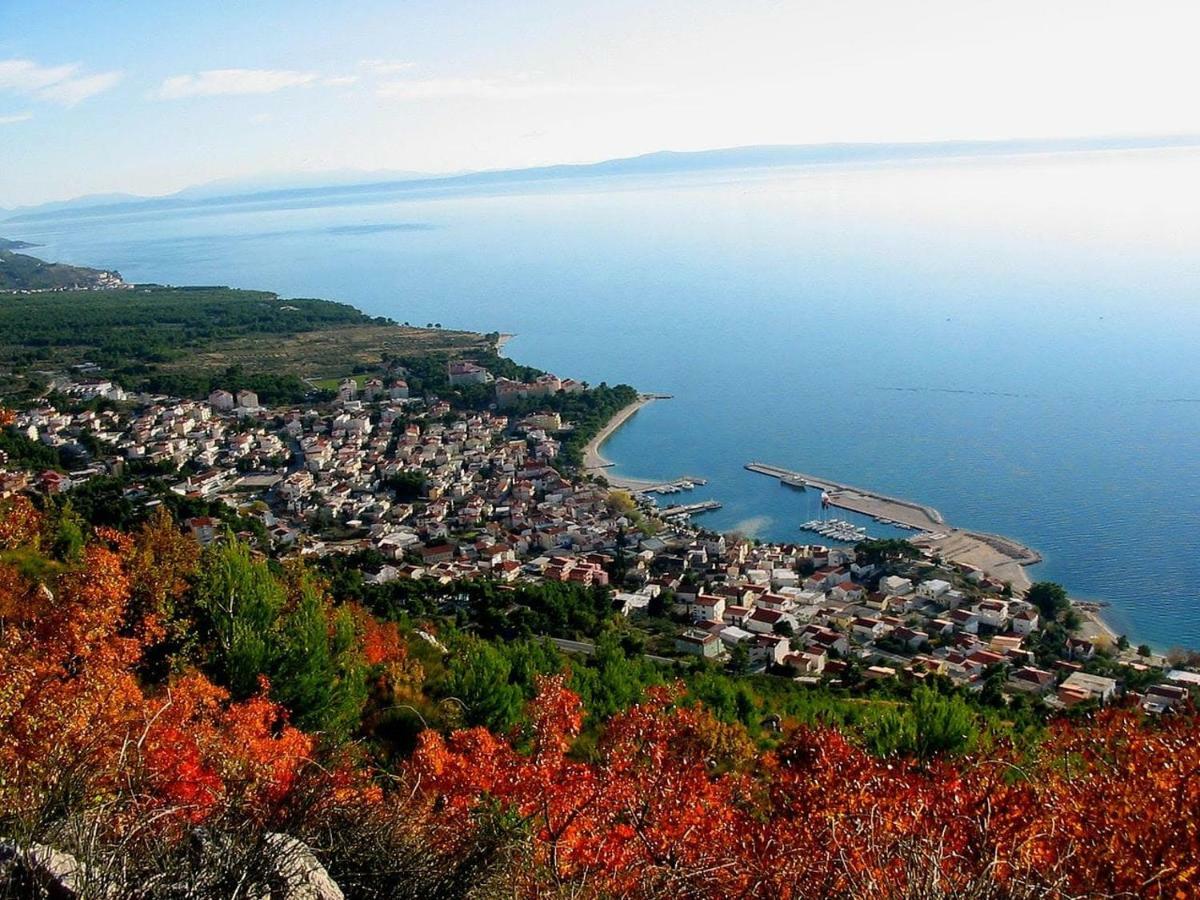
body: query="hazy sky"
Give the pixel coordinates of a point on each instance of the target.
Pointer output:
(149, 96)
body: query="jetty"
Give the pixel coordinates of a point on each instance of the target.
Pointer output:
(685, 483)
(860, 500)
(687, 509)
(995, 555)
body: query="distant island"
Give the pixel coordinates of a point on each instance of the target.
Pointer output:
(663, 162)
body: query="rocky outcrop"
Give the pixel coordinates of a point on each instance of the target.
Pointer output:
(287, 870)
(295, 873)
(37, 866)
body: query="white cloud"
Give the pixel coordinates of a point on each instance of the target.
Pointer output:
(12, 120)
(339, 80)
(76, 90)
(54, 84)
(26, 76)
(386, 66)
(217, 82)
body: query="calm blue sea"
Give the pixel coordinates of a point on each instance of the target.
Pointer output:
(1016, 342)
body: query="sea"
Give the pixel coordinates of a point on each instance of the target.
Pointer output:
(1015, 341)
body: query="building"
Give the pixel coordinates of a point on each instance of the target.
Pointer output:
(1081, 686)
(1031, 680)
(464, 371)
(247, 399)
(222, 400)
(895, 586)
(1025, 622)
(934, 588)
(698, 643)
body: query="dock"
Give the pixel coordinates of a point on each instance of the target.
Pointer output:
(686, 483)
(687, 509)
(995, 555)
(860, 500)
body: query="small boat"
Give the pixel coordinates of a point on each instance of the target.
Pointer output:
(793, 482)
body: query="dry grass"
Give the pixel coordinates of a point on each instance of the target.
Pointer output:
(330, 352)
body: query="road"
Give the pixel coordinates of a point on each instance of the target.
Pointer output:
(587, 649)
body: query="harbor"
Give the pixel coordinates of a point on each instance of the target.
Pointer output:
(889, 510)
(689, 509)
(995, 555)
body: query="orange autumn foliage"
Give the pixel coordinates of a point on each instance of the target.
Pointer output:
(667, 802)
(75, 719)
(1107, 809)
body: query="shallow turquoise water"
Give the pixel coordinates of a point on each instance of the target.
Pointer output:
(1012, 341)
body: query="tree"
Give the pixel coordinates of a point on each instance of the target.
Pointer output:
(620, 502)
(1050, 599)
(68, 533)
(884, 550)
(943, 724)
(479, 679)
(318, 671)
(739, 659)
(239, 602)
(1143, 650)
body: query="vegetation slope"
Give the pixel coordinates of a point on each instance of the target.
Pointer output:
(167, 711)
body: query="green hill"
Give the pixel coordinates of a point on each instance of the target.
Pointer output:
(20, 272)
(184, 340)
(6, 244)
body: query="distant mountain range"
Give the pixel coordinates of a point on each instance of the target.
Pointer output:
(346, 185)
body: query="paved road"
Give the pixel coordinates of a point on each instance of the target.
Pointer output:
(587, 649)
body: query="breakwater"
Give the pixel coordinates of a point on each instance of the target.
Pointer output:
(995, 555)
(861, 500)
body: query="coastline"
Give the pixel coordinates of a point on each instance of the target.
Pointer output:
(1094, 626)
(594, 463)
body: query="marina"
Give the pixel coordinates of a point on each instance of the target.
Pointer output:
(993, 554)
(688, 509)
(686, 483)
(884, 509)
(836, 530)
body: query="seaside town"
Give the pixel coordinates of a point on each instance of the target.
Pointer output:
(445, 496)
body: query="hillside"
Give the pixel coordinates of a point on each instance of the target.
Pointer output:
(196, 722)
(20, 272)
(6, 244)
(179, 339)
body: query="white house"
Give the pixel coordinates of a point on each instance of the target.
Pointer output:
(220, 399)
(1025, 622)
(933, 589)
(895, 586)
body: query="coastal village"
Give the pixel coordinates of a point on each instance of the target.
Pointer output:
(448, 496)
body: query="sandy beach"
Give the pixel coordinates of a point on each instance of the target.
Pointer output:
(596, 464)
(1094, 628)
(955, 545)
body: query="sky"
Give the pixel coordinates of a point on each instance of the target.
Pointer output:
(151, 96)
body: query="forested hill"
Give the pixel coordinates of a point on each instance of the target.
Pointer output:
(186, 340)
(21, 272)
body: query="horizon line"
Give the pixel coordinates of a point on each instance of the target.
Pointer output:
(894, 151)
